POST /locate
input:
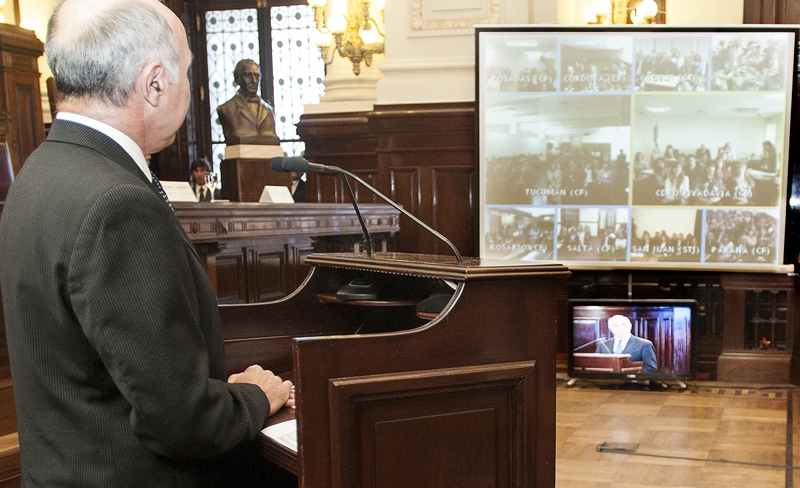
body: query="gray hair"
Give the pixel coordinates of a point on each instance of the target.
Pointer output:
(103, 60)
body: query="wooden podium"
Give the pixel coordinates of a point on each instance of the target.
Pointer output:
(390, 395)
(606, 363)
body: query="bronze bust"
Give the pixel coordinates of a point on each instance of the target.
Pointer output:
(246, 118)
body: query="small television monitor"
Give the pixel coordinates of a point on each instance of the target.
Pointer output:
(656, 339)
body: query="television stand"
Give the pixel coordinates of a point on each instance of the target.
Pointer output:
(647, 385)
(642, 385)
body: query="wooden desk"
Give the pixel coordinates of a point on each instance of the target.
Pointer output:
(464, 400)
(254, 252)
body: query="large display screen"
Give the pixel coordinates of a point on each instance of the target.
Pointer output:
(638, 147)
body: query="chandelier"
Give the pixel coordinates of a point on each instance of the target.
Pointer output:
(617, 11)
(357, 34)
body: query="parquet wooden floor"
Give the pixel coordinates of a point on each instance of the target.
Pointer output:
(709, 435)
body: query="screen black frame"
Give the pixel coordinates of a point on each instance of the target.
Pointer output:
(631, 303)
(789, 206)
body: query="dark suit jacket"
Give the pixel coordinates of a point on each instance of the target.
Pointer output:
(299, 194)
(113, 328)
(241, 126)
(207, 196)
(639, 349)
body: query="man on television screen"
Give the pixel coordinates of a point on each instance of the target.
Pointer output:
(623, 342)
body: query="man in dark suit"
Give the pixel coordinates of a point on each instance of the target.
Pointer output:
(246, 118)
(204, 193)
(113, 330)
(623, 342)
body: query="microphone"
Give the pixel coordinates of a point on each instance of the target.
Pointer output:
(600, 340)
(301, 165)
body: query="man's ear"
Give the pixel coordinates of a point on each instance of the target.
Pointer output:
(153, 81)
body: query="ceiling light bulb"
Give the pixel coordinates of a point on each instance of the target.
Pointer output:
(370, 36)
(648, 9)
(337, 23)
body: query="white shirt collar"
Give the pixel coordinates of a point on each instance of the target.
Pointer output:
(120, 138)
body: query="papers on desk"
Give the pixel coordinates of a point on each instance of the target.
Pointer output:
(284, 433)
(178, 191)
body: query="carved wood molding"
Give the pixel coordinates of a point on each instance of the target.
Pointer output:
(222, 221)
(420, 23)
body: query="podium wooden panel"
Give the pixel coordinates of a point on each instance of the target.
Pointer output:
(609, 363)
(387, 398)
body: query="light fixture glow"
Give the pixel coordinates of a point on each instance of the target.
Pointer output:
(357, 34)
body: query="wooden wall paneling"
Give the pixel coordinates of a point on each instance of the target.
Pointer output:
(738, 362)
(270, 269)
(6, 160)
(453, 217)
(424, 137)
(771, 12)
(328, 187)
(232, 276)
(299, 272)
(792, 13)
(752, 11)
(339, 140)
(24, 105)
(395, 148)
(405, 190)
(794, 326)
(21, 96)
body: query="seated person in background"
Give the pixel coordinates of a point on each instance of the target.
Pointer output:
(676, 186)
(623, 342)
(201, 168)
(740, 184)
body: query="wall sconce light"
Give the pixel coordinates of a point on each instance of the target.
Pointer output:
(645, 12)
(358, 36)
(597, 11)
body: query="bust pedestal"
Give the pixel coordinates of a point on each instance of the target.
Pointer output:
(245, 172)
(252, 151)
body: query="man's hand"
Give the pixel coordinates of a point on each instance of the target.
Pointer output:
(279, 392)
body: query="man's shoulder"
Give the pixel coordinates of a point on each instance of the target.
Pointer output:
(640, 341)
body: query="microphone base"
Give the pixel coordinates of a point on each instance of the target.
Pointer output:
(358, 289)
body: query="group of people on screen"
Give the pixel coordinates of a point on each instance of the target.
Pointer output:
(750, 65)
(523, 235)
(695, 178)
(670, 70)
(588, 76)
(740, 236)
(567, 174)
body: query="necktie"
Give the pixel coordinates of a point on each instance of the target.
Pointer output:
(160, 189)
(618, 346)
